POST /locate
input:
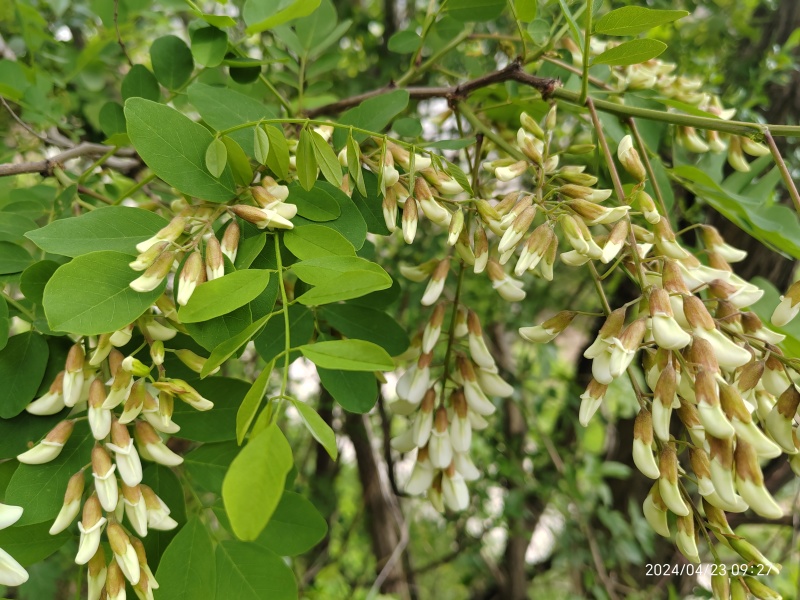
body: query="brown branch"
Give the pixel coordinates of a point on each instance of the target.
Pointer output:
(45, 167)
(119, 36)
(513, 72)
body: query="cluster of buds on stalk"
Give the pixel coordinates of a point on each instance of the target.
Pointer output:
(658, 75)
(128, 412)
(445, 395)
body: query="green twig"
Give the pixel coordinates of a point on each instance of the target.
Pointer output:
(787, 177)
(586, 44)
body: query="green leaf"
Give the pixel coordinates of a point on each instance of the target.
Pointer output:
(261, 145)
(188, 568)
(207, 465)
(172, 61)
(252, 402)
(354, 165)
(40, 488)
(261, 15)
(30, 544)
(272, 341)
(475, 10)
(346, 286)
(307, 169)
(212, 333)
(364, 323)
(227, 348)
(209, 46)
(348, 355)
(408, 127)
(112, 119)
(319, 429)
(13, 227)
(13, 258)
(349, 223)
(326, 159)
(24, 430)
(526, 9)
(455, 144)
(22, 365)
(317, 204)
(34, 279)
(4, 324)
(405, 42)
(227, 395)
(140, 83)
(165, 483)
(252, 572)
(373, 114)
(318, 271)
(539, 30)
(314, 241)
(633, 52)
(633, 20)
(254, 483)
(117, 228)
(91, 294)
(221, 296)
(461, 178)
(174, 148)
(278, 159)
(223, 108)
(369, 203)
(295, 527)
(239, 162)
(216, 157)
(355, 391)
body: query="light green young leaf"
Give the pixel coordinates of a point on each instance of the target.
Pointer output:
(354, 165)
(238, 161)
(174, 148)
(326, 159)
(633, 52)
(255, 481)
(261, 145)
(317, 271)
(307, 169)
(91, 294)
(216, 157)
(313, 241)
(348, 355)
(321, 431)
(117, 228)
(633, 20)
(261, 16)
(345, 286)
(252, 402)
(221, 296)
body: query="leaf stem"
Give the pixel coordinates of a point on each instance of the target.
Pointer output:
(135, 187)
(586, 42)
(285, 310)
(787, 177)
(18, 306)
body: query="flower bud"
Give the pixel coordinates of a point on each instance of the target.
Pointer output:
(185, 392)
(423, 421)
(530, 124)
(736, 157)
(96, 576)
(135, 508)
(645, 203)
(261, 217)
(643, 445)
(215, 264)
(170, 233)
(686, 540)
(666, 331)
(481, 250)
(148, 257)
(412, 384)
(512, 171)
(780, 421)
(509, 289)
(547, 331)
(439, 446)
(668, 482)
(655, 511)
(50, 447)
(421, 474)
(758, 588)
(624, 347)
(721, 465)
(591, 399)
(105, 483)
(433, 328)
(91, 527)
(752, 554)
(708, 406)
(460, 426)
(663, 400)
(436, 283)
(157, 352)
(477, 346)
(115, 582)
(739, 416)
(191, 275)
(629, 158)
(125, 454)
(788, 307)
(410, 220)
(157, 511)
(615, 243)
(71, 506)
(155, 273)
(715, 243)
(454, 489)
(124, 553)
(135, 402)
(52, 402)
(152, 448)
(456, 227)
(476, 398)
(73, 375)
(750, 482)
(230, 240)
(389, 207)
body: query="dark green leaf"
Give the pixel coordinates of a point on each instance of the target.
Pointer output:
(278, 158)
(209, 46)
(355, 392)
(272, 340)
(252, 572)
(314, 241)
(405, 42)
(207, 465)
(188, 568)
(373, 114)
(317, 204)
(227, 348)
(212, 333)
(220, 425)
(370, 204)
(140, 83)
(475, 10)
(221, 296)
(295, 527)
(360, 322)
(261, 16)
(348, 355)
(13, 258)
(326, 159)
(30, 544)
(34, 279)
(22, 365)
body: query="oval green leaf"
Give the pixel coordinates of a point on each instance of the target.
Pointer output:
(348, 355)
(172, 61)
(633, 20)
(22, 365)
(216, 157)
(633, 52)
(221, 296)
(188, 568)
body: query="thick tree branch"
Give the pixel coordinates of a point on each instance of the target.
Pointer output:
(45, 167)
